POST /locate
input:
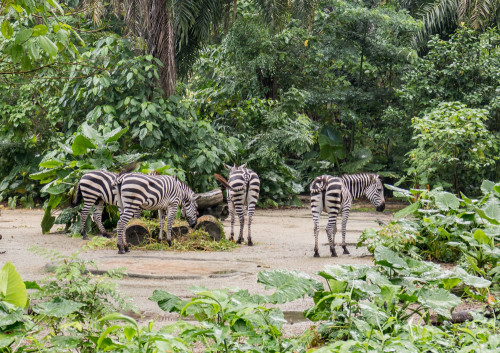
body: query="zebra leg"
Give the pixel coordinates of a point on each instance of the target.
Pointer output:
(98, 219)
(83, 218)
(121, 242)
(172, 210)
(316, 230)
(231, 213)
(345, 217)
(161, 222)
(241, 216)
(331, 229)
(251, 211)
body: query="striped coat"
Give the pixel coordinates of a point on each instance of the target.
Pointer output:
(164, 193)
(334, 195)
(244, 189)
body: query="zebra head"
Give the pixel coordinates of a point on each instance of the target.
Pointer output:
(375, 192)
(190, 208)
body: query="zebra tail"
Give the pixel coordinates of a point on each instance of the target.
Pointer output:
(223, 181)
(117, 185)
(78, 196)
(318, 185)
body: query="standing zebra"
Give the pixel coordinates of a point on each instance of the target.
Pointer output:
(96, 188)
(164, 193)
(335, 194)
(244, 188)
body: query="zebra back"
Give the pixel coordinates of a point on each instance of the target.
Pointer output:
(241, 178)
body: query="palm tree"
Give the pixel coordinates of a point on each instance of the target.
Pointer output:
(173, 30)
(441, 15)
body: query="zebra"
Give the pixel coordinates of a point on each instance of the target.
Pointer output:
(96, 188)
(244, 188)
(335, 194)
(136, 191)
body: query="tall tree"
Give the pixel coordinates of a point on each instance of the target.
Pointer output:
(173, 30)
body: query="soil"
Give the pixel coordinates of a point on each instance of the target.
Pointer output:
(283, 239)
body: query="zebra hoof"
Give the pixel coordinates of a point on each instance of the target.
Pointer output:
(250, 243)
(316, 254)
(346, 252)
(85, 237)
(121, 250)
(107, 235)
(238, 241)
(169, 242)
(334, 253)
(126, 248)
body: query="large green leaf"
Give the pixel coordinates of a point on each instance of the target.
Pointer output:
(58, 307)
(408, 210)
(12, 287)
(386, 257)
(492, 209)
(487, 186)
(43, 175)
(7, 29)
(440, 300)
(92, 134)
(167, 301)
(115, 134)
(331, 144)
(446, 201)
(47, 45)
(81, 144)
(470, 280)
(290, 285)
(47, 220)
(52, 163)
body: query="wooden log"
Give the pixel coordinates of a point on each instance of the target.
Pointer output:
(209, 199)
(137, 232)
(179, 229)
(211, 225)
(220, 211)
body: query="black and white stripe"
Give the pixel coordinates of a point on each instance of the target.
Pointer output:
(95, 188)
(335, 194)
(245, 188)
(164, 193)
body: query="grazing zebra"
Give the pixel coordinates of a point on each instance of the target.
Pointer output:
(244, 189)
(96, 188)
(164, 193)
(335, 194)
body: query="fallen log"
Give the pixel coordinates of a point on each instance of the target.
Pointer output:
(137, 232)
(209, 199)
(211, 225)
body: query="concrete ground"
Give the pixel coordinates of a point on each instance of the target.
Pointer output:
(283, 239)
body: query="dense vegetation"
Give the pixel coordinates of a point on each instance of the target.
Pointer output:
(407, 89)
(294, 88)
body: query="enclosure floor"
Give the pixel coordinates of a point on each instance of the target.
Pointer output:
(283, 239)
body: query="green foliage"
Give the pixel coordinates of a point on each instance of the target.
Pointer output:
(12, 288)
(446, 228)
(451, 139)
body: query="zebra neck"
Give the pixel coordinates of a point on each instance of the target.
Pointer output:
(356, 184)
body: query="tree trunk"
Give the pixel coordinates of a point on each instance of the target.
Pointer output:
(137, 232)
(161, 43)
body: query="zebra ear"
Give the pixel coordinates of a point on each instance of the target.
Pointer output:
(228, 167)
(244, 165)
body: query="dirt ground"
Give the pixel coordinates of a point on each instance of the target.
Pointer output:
(283, 240)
